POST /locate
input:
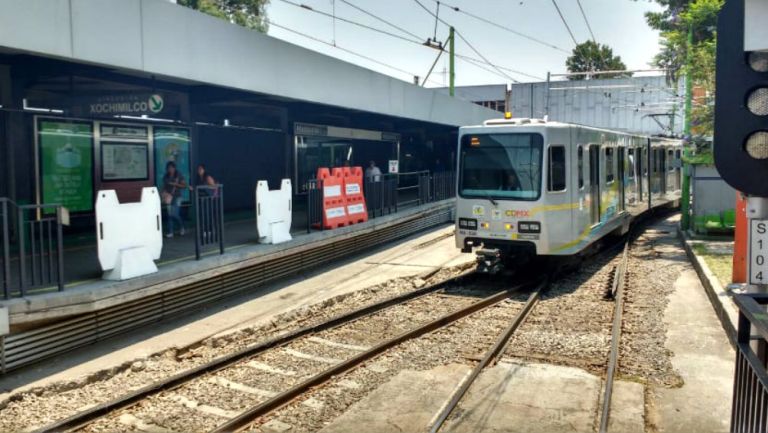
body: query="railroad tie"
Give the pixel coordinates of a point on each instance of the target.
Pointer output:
(269, 369)
(330, 343)
(242, 388)
(132, 421)
(302, 355)
(204, 408)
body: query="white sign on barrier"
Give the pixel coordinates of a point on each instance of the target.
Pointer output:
(273, 212)
(129, 235)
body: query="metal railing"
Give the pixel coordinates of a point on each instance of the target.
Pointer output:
(209, 217)
(380, 195)
(386, 193)
(443, 185)
(749, 411)
(36, 242)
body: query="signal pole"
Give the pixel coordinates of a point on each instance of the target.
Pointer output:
(685, 219)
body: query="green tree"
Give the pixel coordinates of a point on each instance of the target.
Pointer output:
(592, 57)
(675, 21)
(247, 13)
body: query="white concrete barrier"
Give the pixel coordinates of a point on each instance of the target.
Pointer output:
(273, 212)
(129, 235)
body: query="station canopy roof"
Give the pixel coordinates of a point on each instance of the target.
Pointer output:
(156, 38)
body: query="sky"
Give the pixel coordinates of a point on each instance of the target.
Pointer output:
(617, 23)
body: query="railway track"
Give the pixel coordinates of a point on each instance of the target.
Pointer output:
(617, 292)
(314, 353)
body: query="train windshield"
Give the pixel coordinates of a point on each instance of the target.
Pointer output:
(501, 166)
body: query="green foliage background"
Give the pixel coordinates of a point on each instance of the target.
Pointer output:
(675, 21)
(247, 13)
(591, 56)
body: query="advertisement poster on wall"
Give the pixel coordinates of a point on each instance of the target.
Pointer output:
(66, 160)
(172, 144)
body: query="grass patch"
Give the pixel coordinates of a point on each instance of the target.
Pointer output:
(720, 264)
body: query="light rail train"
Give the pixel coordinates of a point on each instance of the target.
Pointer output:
(534, 188)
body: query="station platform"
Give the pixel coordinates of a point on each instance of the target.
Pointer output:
(417, 255)
(49, 323)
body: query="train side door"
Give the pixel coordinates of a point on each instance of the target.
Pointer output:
(663, 171)
(594, 183)
(620, 175)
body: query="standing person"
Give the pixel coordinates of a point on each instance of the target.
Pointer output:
(373, 173)
(203, 178)
(173, 184)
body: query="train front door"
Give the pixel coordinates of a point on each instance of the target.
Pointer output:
(594, 183)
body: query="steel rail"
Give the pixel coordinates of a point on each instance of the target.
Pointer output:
(618, 293)
(247, 417)
(87, 416)
(490, 357)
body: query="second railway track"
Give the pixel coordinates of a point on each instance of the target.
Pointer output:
(233, 390)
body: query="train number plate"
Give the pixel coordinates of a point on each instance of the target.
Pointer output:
(758, 252)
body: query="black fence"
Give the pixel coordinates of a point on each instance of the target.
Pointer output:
(749, 412)
(387, 193)
(209, 218)
(32, 246)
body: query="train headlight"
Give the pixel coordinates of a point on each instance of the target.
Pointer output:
(529, 227)
(509, 226)
(485, 225)
(468, 223)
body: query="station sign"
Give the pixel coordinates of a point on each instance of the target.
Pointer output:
(758, 252)
(129, 105)
(394, 166)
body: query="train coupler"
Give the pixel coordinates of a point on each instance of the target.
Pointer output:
(489, 261)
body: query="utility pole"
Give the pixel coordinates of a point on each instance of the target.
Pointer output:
(546, 106)
(685, 219)
(451, 62)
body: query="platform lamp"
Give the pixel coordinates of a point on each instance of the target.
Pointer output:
(741, 120)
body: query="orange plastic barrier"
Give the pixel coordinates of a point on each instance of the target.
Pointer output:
(334, 202)
(357, 212)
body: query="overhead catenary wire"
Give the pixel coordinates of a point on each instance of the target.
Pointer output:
(472, 47)
(416, 40)
(589, 27)
(503, 27)
(348, 21)
(567, 27)
(362, 56)
(378, 18)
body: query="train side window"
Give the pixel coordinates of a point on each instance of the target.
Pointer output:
(609, 174)
(580, 165)
(631, 158)
(670, 158)
(556, 181)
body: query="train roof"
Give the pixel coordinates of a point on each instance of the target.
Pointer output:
(534, 122)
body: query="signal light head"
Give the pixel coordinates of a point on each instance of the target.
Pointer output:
(757, 102)
(757, 145)
(758, 61)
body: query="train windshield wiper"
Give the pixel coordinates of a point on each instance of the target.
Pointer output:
(493, 202)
